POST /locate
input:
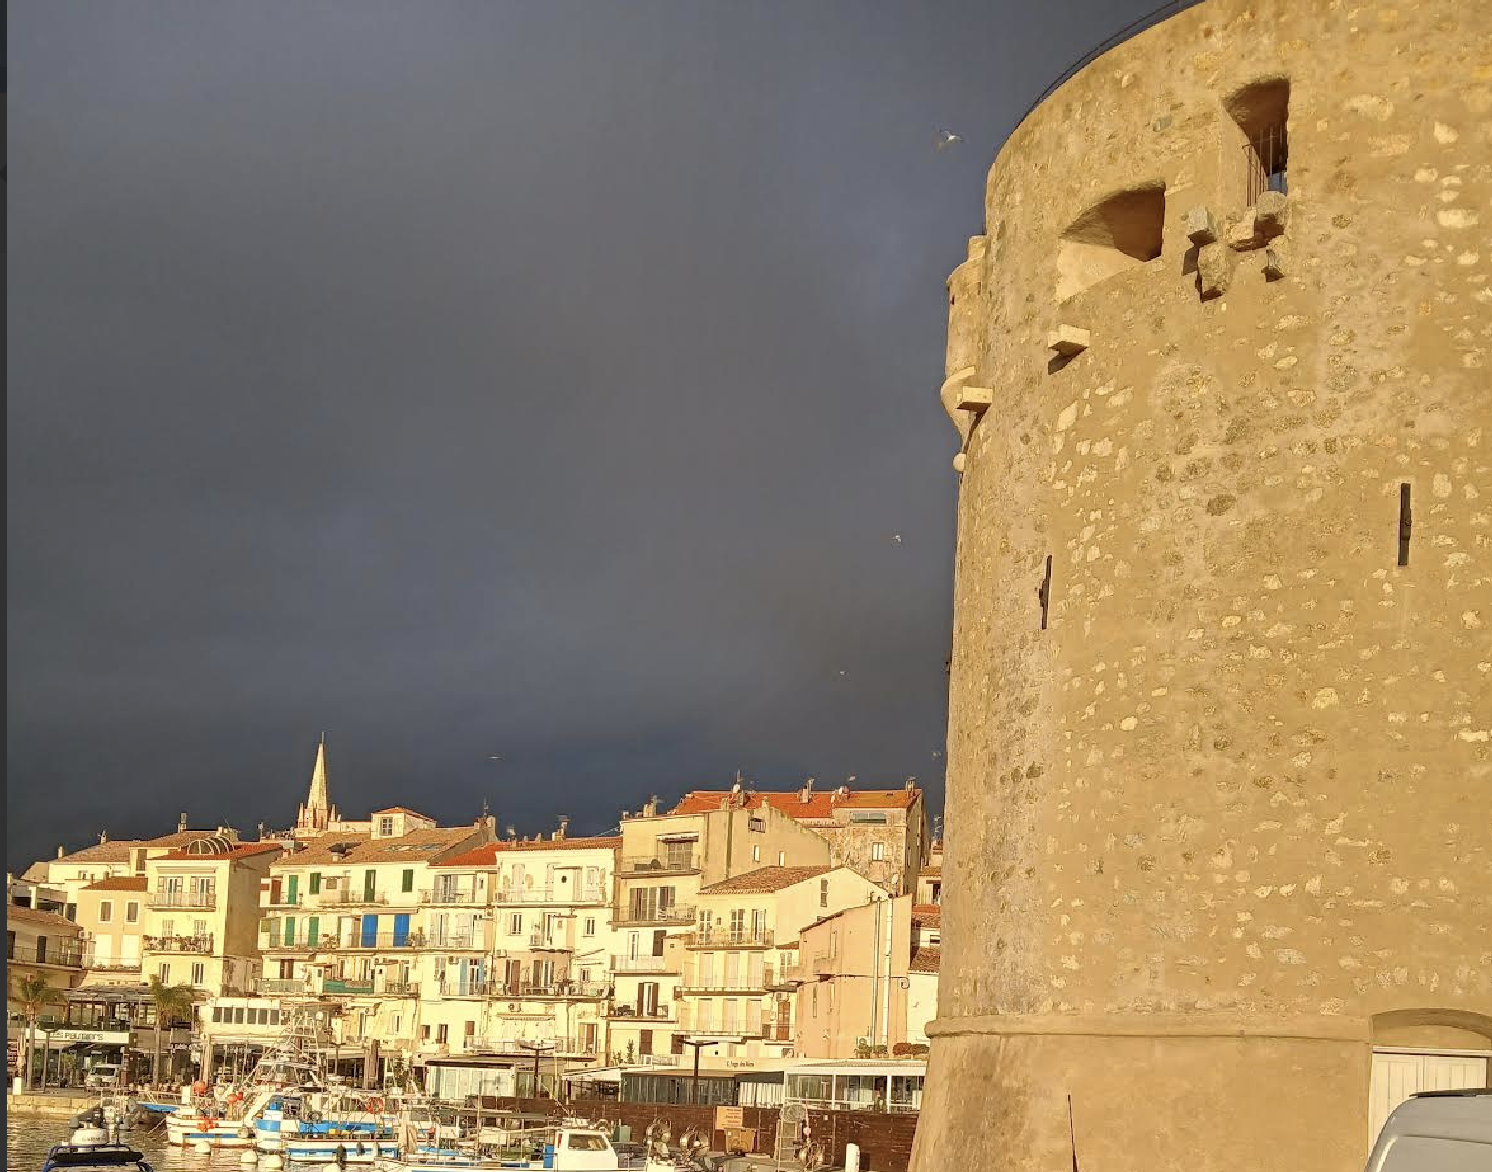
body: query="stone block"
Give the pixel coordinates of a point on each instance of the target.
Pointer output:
(959, 461)
(1067, 341)
(1271, 214)
(1214, 270)
(1244, 235)
(1201, 228)
(1274, 264)
(975, 399)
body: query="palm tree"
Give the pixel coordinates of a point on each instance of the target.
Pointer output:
(33, 994)
(172, 1004)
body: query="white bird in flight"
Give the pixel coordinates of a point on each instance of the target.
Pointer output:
(896, 538)
(946, 139)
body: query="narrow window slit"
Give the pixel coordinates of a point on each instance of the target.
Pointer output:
(1406, 522)
(1044, 591)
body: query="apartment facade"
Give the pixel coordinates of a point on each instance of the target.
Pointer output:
(742, 957)
(869, 981)
(882, 834)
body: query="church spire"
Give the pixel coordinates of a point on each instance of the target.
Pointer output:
(316, 813)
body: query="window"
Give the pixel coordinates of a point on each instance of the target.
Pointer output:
(443, 1034)
(515, 924)
(199, 973)
(759, 825)
(590, 926)
(815, 996)
(582, 1141)
(237, 1009)
(877, 851)
(385, 827)
(132, 912)
(315, 882)
(406, 880)
(164, 972)
(199, 928)
(782, 858)
(471, 1029)
(168, 927)
(1119, 233)
(676, 1044)
(274, 1017)
(823, 893)
(1260, 112)
(217, 1013)
(756, 854)
(424, 1033)
(106, 911)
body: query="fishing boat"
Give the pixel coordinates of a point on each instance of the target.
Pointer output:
(224, 1116)
(444, 1138)
(105, 1157)
(337, 1126)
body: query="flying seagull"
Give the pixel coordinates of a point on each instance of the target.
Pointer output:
(946, 139)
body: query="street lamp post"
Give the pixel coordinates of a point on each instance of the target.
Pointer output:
(538, 1047)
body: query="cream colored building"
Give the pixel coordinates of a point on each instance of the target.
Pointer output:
(665, 860)
(541, 983)
(346, 916)
(869, 981)
(112, 914)
(1220, 711)
(39, 943)
(882, 834)
(742, 958)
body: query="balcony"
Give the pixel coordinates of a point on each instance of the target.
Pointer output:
(663, 862)
(571, 1047)
(554, 895)
(693, 1022)
(548, 942)
(731, 938)
(569, 990)
(656, 916)
(643, 964)
(196, 945)
(721, 983)
(194, 900)
(447, 897)
(468, 988)
(68, 955)
(282, 987)
(822, 964)
(334, 985)
(454, 941)
(111, 966)
(629, 1014)
(339, 898)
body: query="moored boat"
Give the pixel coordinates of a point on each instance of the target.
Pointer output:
(104, 1157)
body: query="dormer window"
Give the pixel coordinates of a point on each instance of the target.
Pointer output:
(385, 828)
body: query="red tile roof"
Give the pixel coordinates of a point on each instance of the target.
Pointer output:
(929, 914)
(403, 810)
(242, 850)
(820, 805)
(931, 872)
(486, 855)
(119, 883)
(765, 879)
(925, 960)
(428, 845)
(177, 838)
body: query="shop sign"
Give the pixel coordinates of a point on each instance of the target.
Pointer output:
(97, 1037)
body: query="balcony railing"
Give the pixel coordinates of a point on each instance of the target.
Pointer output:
(719, 937)
(555, 894)
(675, 914)
(626, 1013)
(643, 964)
(822, 963)
(282, 986)
(663, 862)
(111, 966)
(336, 985)
(68, 955)
(549, 941)
(201, 900)
(443, 897)
(693, 1022)
(199, 945)
(579, 990)
(337, 897)
(500, 1045)
(720, 983)
(468, 988)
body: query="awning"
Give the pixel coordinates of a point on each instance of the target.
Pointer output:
(604, 1074)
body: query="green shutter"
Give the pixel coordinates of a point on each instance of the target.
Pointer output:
(408, 884)
(274, 932)
(289, 929)
(313, 930)
(370, 884)
(315, 882)
(294, 889)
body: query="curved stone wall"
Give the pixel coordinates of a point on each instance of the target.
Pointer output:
(1233, 801)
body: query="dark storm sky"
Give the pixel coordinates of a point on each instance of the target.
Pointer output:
(543, 379)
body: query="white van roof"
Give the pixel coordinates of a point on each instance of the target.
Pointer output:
(1437, 1131)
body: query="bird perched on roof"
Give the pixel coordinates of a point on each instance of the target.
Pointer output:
(946, 139)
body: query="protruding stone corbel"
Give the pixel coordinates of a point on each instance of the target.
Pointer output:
(1201, 228)
(1067, 342)
(1244, 236)
(1274, 263)
(1214, 269)
(1272, 214)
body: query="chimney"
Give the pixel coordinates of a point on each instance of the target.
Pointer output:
(805, 795)
(512, 834)
(261, 832)
(103, 837)
(564, 828)
(60, 851)
(181, 823)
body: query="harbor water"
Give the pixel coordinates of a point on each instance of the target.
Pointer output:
(29, 1136)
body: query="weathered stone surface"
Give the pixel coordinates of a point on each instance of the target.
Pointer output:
(1274, 264)
(1271, 214)
(1201, 228)
(1215, 263)
(1244, 235)
(976, 399)
(1067, 341)
(1225, 824)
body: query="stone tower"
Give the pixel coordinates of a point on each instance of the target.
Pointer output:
(1220, 738)
(316, 813)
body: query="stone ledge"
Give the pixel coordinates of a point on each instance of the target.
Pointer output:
(1159, 1025)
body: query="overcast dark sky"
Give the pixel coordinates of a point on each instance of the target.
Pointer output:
(543, 379)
